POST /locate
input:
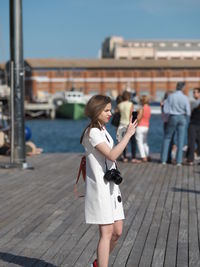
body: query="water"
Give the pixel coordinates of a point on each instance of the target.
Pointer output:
(61, 136)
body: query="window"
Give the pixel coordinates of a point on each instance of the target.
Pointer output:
(162, 44)
(175, 44)
(149, 44)
(188, 44)
(59, 73)
(77, 74)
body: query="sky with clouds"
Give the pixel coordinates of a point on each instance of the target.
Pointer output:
(77, 28)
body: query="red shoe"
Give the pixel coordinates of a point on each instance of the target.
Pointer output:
(94, 264)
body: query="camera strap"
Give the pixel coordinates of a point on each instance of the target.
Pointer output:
(107, 165)
(105, 158)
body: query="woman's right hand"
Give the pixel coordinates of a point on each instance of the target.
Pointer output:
(131, 127)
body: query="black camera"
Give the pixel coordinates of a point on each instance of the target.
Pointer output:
(113, 175)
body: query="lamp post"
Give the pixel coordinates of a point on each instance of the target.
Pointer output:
(18, 156)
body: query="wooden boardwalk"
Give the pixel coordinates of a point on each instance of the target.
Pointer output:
(42, 223)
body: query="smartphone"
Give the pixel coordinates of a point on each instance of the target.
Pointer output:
(134, 115)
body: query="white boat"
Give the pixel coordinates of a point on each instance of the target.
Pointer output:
(76, 97)
(71, 104)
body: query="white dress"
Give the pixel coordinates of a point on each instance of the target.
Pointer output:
(103, 202)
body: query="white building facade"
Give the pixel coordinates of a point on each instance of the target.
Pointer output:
(118, 48)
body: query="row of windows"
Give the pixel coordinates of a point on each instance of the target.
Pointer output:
(161, 44)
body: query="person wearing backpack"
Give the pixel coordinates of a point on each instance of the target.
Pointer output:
(103, 201)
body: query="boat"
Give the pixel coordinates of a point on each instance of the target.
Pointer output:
(73, 111)
(71, 105)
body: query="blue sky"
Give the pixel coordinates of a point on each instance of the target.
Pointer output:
(77, 28)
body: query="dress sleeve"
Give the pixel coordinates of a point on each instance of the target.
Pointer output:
(95, 137)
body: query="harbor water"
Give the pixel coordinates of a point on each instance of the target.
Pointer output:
(62, 135)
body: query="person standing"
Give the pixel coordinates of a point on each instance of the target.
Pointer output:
(116, 115)
(194, 127)
(178, 107)
(103, 201)
(165, 118)
(143, 129)
(196, 95)
(126, 108)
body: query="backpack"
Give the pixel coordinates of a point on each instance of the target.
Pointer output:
(82, 169)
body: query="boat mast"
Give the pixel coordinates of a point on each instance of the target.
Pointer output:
(17, 84)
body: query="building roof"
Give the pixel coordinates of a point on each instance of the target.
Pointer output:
(112, 63)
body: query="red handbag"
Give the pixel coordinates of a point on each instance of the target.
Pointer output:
(82, 170)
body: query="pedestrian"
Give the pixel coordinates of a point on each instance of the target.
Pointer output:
(116, 115)
(165, 117)
(103, 202)
(126, 108)
(143, 129)
(194, 128)
(178, 107)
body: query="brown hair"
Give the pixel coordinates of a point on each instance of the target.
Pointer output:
(93, 109)
(197, 89)
(126, 95)
(119, 99)
(144, 100)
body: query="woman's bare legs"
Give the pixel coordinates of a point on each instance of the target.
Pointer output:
(117, 231)
(109, 234)
(103, 248)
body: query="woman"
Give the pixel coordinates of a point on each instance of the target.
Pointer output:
(126, 108)
(143, 129)
(103, 204)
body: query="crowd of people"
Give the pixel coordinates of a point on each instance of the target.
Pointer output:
(125, 109)
(181, 126)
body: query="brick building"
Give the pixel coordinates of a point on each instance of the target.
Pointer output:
(110, 76)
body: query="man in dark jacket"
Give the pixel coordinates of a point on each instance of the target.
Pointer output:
(194, 127)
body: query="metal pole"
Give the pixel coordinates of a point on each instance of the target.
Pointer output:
(12, 116)
(16, 54)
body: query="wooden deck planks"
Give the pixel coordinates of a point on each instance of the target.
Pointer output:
(42, 222)
(160, 246)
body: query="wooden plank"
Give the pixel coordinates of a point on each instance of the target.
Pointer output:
(136, 215)
(171, 249)
(194, 215)
(160, 247)
(182, 249)
(137, 184)
(42, 223)
(150, 242)
(35, 202)
(138, 246)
